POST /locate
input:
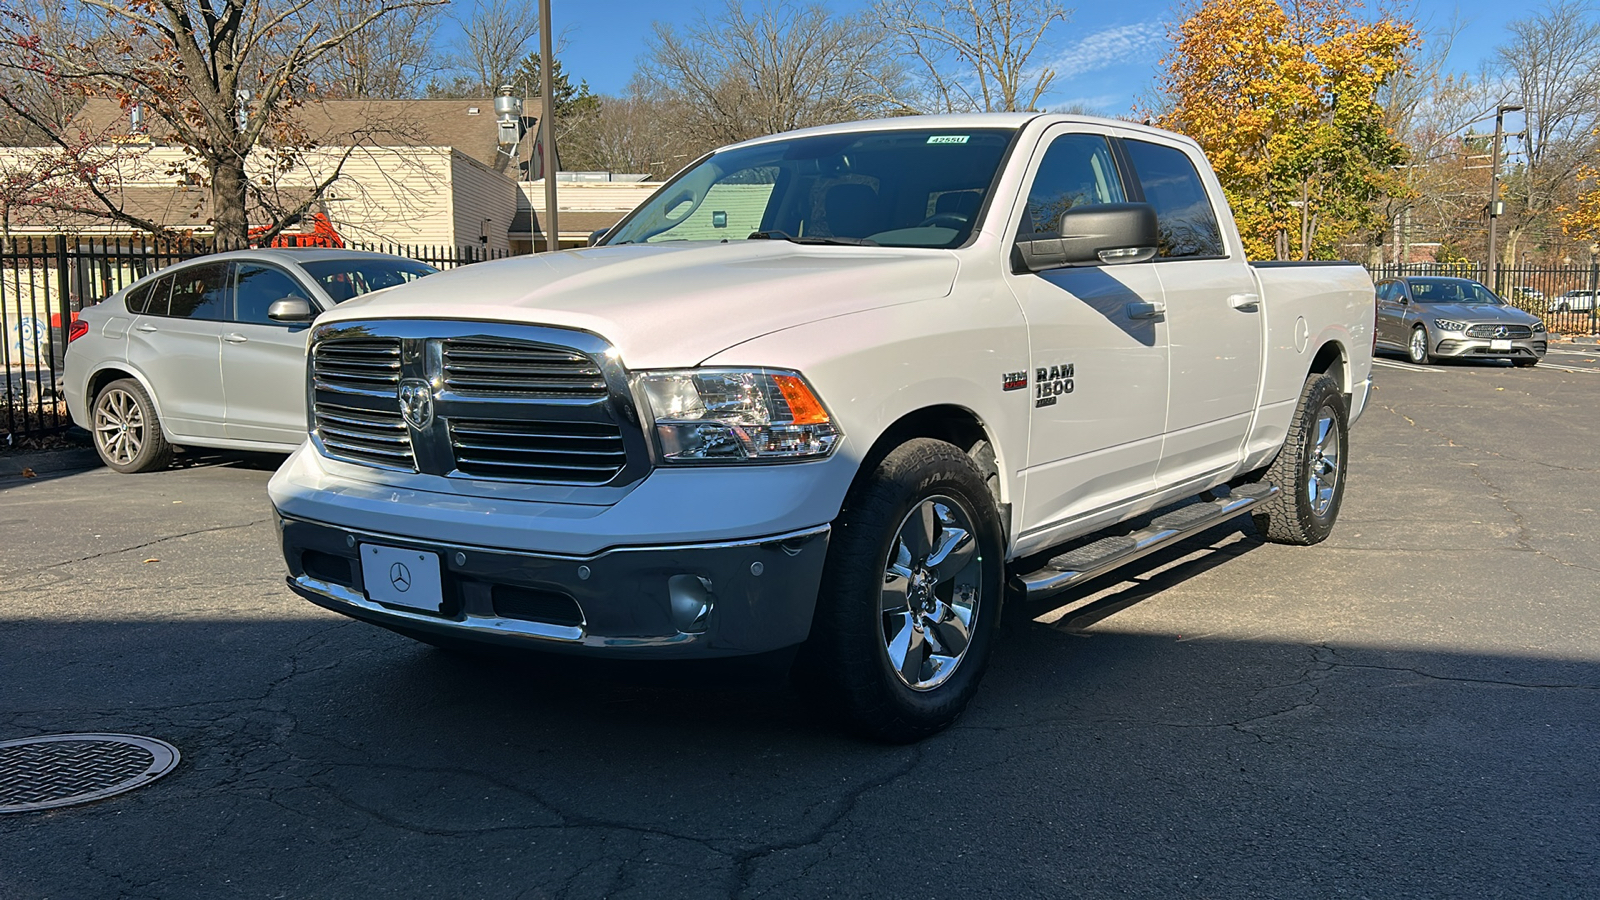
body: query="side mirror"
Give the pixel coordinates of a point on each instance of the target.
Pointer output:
(1109, 234)
(596, 235)
(290, 309)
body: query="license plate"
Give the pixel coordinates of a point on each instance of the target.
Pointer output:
(402, 577)
(1500, 345)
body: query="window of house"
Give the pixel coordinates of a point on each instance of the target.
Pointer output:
(1187, 224)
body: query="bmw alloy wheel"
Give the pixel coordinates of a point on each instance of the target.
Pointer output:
(119, 426)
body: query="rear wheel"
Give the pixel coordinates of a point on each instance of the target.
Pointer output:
(127, 431)
(910, 598)
(1417, 349)
(1309, 471)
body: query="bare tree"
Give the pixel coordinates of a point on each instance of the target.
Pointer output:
(1551, 65)
(774, 67)
(221, 76)
(973, 55)
(632, 133)
(495, 38)
(388, 58)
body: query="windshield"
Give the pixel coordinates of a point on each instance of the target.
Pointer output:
(1451, 290)
(347, 278)
(915, 188)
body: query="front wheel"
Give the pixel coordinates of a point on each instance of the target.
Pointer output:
(1525, 363)
(1417, 349)
(1310, 468)
(911, 596)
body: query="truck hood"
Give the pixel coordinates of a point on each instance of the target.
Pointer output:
(669, 305)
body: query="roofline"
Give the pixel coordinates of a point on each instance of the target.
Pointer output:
(966, 120)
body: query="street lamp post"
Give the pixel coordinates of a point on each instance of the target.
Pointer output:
(1496, 206)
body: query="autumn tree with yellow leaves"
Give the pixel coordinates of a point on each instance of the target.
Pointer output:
(1283, 97)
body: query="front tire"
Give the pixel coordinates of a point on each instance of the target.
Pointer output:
(1417, 349)
(1309, 470)
(127, 431)
(1524, 363)
(911, 596)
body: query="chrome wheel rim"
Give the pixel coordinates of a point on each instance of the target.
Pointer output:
(1322, 468)
(1419, 344)
(932, 588)
(119, 426)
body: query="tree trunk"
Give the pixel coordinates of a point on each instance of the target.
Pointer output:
(228, 205)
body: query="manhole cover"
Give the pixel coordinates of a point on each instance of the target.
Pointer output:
(67, 769)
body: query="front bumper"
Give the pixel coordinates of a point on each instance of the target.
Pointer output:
(1454, 345)
(693, 600)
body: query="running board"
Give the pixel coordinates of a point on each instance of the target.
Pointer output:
(1099, 557)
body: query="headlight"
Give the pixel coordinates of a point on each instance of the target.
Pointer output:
(736, 415)
(1538, 326)
(1447, 325)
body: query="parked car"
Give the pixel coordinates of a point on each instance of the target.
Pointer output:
(1574, 301)
(211, 352)
(838, 390)
(1524, 294)
(1434, 317)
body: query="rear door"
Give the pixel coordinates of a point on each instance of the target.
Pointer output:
(1391, 314)
(1216, 329)
(1097, 346)
(263, 361)
(176, 344)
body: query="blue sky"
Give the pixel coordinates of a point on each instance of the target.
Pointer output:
(1105, 55)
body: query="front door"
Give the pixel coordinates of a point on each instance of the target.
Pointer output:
(263, 361)
(1098, 349)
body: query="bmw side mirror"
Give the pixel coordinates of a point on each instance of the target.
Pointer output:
(290, 309)
(1106, 235)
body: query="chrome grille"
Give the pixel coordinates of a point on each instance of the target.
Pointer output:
(494, 368)
(544, 450)
(369, 366)
(375, 437)
(1488, 331)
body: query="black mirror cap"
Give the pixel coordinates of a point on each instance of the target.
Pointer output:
(1108, 234)
(596, 235)
(290, 309)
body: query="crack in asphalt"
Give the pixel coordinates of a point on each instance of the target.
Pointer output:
(105, 553)
(1329, 657)
(1486, 452)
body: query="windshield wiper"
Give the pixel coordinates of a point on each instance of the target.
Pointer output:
(785, 236)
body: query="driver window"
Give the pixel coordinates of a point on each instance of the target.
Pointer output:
(1077, 170)
(257, 287)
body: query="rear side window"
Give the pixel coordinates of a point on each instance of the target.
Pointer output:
(199, 292)
(155, 303)
(1188, 226)
(138, 297)
(257, 287)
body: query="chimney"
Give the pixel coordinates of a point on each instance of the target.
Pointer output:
(508, 114)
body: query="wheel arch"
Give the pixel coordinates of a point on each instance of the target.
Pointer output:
(1331, 359)
(953, 424)
(107, 374)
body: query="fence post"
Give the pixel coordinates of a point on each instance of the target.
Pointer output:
(63, 305)
(1594, 298)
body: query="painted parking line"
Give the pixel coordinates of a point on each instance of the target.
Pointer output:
(1547, 364)
(1404, 367)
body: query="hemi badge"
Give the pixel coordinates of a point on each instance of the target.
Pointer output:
(1014, 381)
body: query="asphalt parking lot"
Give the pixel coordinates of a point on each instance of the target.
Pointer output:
(1411, 709)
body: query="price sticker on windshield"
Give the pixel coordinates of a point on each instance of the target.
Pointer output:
(948, 139)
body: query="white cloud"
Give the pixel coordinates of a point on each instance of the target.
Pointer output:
(1119, 45)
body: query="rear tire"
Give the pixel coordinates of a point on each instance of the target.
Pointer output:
(911, 596)
(1309, 470)
(126, 430)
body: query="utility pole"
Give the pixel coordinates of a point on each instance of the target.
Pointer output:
(1496, 205)
(547, 122)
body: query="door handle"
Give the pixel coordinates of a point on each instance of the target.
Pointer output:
(235, 338)
(1142, 310)
(1245, 302)
(145, 327)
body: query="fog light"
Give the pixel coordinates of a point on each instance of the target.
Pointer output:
(692, 600)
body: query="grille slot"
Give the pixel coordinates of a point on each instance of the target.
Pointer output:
(369, 366)
(492, 368)
(1488, 331)
(532, 605)
(374, 437)
(550, 450)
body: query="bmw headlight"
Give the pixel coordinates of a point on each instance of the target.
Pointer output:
(1448, 325)
(736, 415)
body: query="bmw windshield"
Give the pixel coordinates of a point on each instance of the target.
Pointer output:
(901, 188)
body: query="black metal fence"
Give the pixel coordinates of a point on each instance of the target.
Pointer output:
(1563, 296)
(45, 281)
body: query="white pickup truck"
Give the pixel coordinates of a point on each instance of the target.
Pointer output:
(841, 390)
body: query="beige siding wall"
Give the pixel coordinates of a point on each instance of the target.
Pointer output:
(397, 195)
(484, 203)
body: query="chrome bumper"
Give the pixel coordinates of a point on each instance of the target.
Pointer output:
(693, 600)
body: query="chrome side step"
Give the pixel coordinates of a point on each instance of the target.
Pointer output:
(1101, 556)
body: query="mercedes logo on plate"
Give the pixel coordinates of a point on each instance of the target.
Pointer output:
(416, 402)
(400, 577)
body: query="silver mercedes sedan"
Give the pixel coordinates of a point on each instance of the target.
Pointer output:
(211, 352)
(1434, 317)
